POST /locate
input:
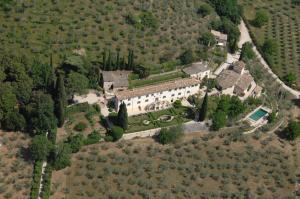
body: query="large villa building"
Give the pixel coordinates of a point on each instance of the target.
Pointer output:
(156, 97)
(235, 80)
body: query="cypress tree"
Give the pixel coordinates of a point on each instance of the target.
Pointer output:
(203, 109)
(122, 64)
(118, 60)
(123, 116)
(129, 65)
(60, 100)
(109, 66)
(132, 60)
(104, 60)
(51, 60)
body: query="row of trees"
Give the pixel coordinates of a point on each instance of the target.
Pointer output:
(112, 62)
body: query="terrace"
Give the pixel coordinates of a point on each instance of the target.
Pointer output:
(258, 117)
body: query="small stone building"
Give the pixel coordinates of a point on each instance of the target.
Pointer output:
(198, 70)
(115, 80)
(220, 37)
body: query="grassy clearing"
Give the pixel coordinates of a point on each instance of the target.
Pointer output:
(156, 79)
(37, 28)
(284, 28)
(81, 114)
(198, 167)
(15, 172)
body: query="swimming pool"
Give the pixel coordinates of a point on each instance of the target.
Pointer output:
(258, 114)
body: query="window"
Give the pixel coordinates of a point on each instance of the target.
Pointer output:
(139, 97)
(188, 92)
(139, 102)
(173, 95)
(161, 92)
(146, 100)
(128, 104)
(179, 93)
(164, 97)
(147, 95)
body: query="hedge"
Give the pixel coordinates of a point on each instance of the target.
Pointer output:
(47, 182)
(37, 172)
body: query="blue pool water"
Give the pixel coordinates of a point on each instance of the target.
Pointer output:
(258, 114)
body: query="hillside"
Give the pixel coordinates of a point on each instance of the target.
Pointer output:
(156, 30)
(199, 167)
(283, 27)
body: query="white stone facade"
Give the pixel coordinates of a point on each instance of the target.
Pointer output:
(201, 75)
(159, 100)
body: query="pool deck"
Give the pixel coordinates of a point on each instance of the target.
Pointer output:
(263, 120)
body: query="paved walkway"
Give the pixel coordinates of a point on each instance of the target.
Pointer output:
(42, 179)
(42, 176)
(245, 37)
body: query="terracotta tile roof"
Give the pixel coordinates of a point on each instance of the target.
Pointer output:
(119, 77)
(227, 79)
(243, 83)
(239, 66)
(126, 94)
(196, 68)
(219, 35)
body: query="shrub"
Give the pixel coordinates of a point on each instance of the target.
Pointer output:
(97, 108)
(116, 133)
(207, 39)
(204, 10)
(292, 131)
(75, 142)
(177, 104)
(170, 135)
(261, 18)
(290, 79)
(272, 117)
(81, 126)
(93, 138)
(187, 57)
(247, 52)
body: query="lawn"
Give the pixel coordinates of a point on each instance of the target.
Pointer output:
(36, 29)
(15, 171)
(283, 27)
(198, 167)
(181, 115)
(157, 79)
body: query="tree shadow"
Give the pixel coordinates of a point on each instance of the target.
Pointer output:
(296, 102)
(25, 154)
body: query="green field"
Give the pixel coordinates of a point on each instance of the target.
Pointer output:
(37, 28)
(284, 27)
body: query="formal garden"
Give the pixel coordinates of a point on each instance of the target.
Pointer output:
(281, 24)
(15, 166)
(206, 166)
(159, 119)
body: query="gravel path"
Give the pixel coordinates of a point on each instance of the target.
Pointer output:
(245, 37)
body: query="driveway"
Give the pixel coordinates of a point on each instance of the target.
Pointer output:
(245, 37)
